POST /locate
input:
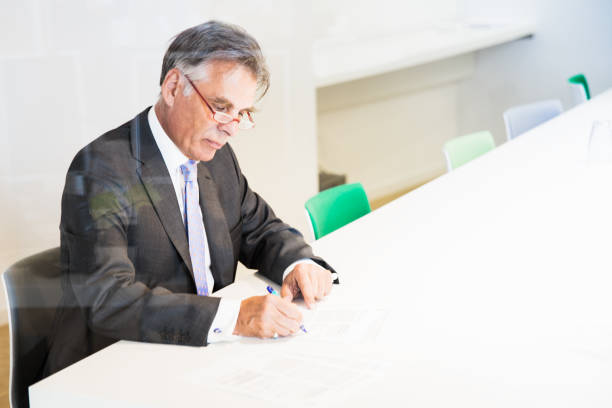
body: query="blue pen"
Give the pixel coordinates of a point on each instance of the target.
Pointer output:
(273, 291)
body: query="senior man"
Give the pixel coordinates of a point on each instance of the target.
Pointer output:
(156, 214)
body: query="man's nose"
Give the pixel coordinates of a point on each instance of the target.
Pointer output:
(230, 128)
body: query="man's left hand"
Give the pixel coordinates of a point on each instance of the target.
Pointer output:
(312, 281)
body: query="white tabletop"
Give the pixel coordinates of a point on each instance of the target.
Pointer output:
(488, 287)
(339, 60)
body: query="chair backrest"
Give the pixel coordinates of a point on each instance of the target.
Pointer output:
(336, 207)
(520, 119)
(33, 289)
(579, 88)
(461, 150)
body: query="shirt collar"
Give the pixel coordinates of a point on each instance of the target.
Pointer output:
(171, 154)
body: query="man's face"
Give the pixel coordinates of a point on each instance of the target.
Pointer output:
(228, 87)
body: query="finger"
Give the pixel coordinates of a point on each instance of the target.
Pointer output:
(324, 282)
(268, 331)
(305, 285)
(316, 286)
(270, 326)
(329, 283)
(323, 279)
(275, 321)
(283, 325)
(288, 309)
(286, 290)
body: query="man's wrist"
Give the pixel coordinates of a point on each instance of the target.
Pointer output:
(222, 327)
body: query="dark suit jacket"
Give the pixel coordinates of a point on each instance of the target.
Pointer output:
(127, 269)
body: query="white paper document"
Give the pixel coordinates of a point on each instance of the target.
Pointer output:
(278, 375)
(356, 325)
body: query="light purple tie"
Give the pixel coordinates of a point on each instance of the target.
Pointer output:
(194, 225)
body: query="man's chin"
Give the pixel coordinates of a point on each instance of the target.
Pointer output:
(206, 151)
(203, 155)
(207, 156)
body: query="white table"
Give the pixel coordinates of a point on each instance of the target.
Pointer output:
(491, 287)
(339, 60)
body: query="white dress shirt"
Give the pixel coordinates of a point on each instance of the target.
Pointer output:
(227, 314)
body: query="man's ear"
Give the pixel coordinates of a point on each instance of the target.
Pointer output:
(171, 86)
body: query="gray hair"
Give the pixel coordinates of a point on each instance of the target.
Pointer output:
(213, 40)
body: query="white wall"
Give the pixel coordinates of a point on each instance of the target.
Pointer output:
(354, 19)
(72, 69)
(390, 140)
(393, 139)
(571, 37)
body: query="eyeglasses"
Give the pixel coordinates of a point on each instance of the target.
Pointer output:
(245, 119)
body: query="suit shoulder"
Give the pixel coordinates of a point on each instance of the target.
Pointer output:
(109, 149)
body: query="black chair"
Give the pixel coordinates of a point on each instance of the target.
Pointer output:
(33, 288)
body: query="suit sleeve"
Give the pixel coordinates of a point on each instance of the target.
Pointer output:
(268, 244)
(97, 213)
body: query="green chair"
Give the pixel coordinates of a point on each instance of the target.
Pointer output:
(336, 207)
(461, 150)
(579, 88)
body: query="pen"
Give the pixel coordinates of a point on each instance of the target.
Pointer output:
(273, 291)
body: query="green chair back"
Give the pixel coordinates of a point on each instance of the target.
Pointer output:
(461, 150)
(336, 207)
(580, 80)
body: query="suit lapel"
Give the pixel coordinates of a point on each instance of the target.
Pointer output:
(154, 176)
(217, 231)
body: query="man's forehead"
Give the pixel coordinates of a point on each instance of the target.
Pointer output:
(224, 70)
(229, 83)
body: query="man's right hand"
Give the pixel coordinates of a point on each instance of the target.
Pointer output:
(265, 316)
